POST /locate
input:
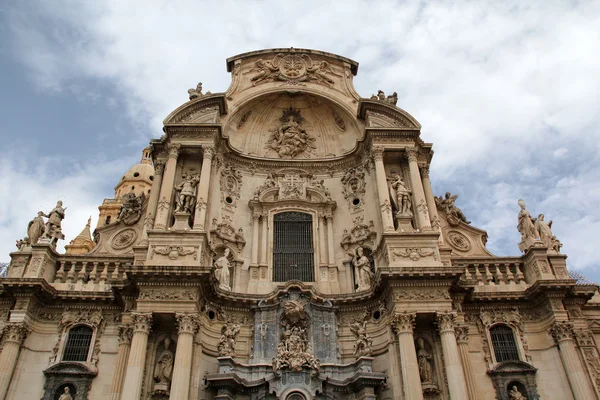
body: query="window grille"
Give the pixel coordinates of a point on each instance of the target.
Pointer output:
(503, 341)
(78, 344)
(293, 254)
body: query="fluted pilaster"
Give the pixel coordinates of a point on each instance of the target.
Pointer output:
(137, 355)
(462, 339)
(166, 189)
(187, 325)
(203, 187)
(14, 335)
(420, 204)
(382, 190)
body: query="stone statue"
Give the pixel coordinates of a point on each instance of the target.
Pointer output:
(393, 99)
(556, 244)
(195, 93)
(543, 228)
(186, 193)
(66, 394)
(380, 95)
(22, 243)
(362, 270)
(163, 370)
(446, 203)
(131, 209)
(35, 228)
(222, 271)
(403, 201)
(364, 343)
(227, 340)
(514, 394)
(53, 230)
(526, 227)
(424, 359)
(289, 139)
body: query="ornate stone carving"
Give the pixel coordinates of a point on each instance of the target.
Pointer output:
(185, 193)
(243, 119)
(169, 294)
(392, 99)
(339, 121)
(229, 333)
(462, 334)
(230, 182)
(195, 93)
(66, 395)
(293, 351)
(364, 344)
(221, 270)
(124, 239)
(459, 241)
(224, 234)
(361, 234)
(15, 332)
(453, 213)
(421, 294)
(526, 227)
(292, 187)
(362, 270)
(187, 323)
(289, 138)
(354, 186)
(174, 251)
(125, 334)
(404, 323)
(163, 369)
(141, 322)
(415, 254)
(131, 209)
(174, 150)
(446, 321)
(562, 330)
(514, 394)
(424, 360)
(292, 69)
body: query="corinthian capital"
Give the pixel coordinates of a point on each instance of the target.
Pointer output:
(562, 331)
(424, 171)
(411, 154)
(187, 323)
(378, 153)
(209, 151)
(446, 321)
(141, 322)
(159, 167)
(15, 332)
(125, 333)
(462, 334)
(404, 323)
(174, 150)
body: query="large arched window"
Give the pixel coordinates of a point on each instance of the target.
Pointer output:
(504, 344)
(293, 253)
(78, 343)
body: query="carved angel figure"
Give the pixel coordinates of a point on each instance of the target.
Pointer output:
(266, 69)
(364, 343)
(195, 93)
(446, 203)
(221, 271)
(362, 270)
(66, 394)
(293, 312)
(290, 139)
(35, 228)
(229, 334)
(393, 99)
(131, 210)
(514, 394)
(318, 70)
(424, 359)
(186, 193)
(163, 370)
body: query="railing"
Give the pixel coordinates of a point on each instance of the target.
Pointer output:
(500, 273)
(71, 270)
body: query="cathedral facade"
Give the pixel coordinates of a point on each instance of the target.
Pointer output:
(281, 240)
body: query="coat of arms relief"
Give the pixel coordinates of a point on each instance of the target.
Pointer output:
(292, 69)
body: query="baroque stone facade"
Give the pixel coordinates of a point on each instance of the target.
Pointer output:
(282, 241)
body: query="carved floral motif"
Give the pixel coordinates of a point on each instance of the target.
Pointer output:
(414, 254)
(124, 239)
(169, 294)
(421, 294)
(459, 241)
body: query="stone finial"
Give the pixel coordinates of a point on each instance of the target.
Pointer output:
(83, 242)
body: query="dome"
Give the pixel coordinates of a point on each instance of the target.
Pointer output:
(139, 177)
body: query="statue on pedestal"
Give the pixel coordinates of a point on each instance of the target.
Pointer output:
(221, 271)
(362, 270)
(424, 359)
(195, 93)
(403, 201)
(163, 370)
(543, 228)
(36, 227)
(186, 193)
(364, 343)
(53, 229)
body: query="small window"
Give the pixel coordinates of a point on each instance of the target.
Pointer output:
(503, 341)
(78, 344)
(136, 174)
(151, 177)
(107, 221)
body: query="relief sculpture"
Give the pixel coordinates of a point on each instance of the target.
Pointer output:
(289, 138)
(293, 69)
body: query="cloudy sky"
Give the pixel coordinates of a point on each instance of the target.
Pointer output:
(508, 92)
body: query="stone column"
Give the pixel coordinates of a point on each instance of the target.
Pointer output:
(254, 254)
(187, 325)
(203, 186)
(125, 333)
(330, 248)
(419, 204)
(383, 191)
(159, 168)
(456, 376)
(322, 249)
(564, 336)
(137, 355)
(166, 188)
(411, 379)
(263, 239)
(430, 200)
(462, 338)
(14, 334)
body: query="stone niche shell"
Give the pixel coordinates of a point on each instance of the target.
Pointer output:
(334, 130)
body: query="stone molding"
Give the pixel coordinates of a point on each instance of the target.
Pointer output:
(161, 294)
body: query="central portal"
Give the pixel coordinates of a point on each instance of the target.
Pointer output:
(293, 253)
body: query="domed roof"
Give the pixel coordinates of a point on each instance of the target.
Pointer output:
(142, 172)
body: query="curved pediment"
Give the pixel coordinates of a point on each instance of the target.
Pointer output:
(205, 109)
(285, 125)
(380, 114)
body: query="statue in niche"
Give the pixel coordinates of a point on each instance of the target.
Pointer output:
(66, 395)
(514, 394)
(543, 228)
(362, 270)
(195, 93)
(221, 271)
(424, 360)
(403, 200)
(131, 210)
(228, 337)
(446, 203)
(35, 228)
(163, 369)
(289, 139)
(53, 229)
(186, 193)
(364, 344)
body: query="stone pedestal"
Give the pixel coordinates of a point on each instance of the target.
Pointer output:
(182, 221)
(42, 263)
(404, 223)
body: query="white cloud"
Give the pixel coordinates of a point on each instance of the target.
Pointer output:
(506, 91)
